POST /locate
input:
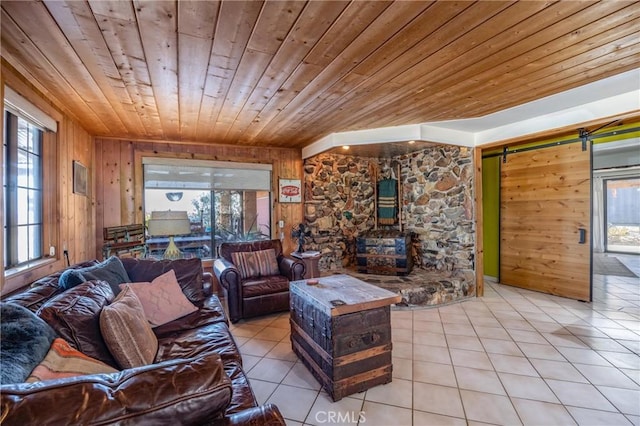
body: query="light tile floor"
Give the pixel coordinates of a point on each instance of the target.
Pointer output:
(511, 357)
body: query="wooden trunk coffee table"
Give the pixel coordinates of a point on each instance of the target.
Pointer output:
(341, 330)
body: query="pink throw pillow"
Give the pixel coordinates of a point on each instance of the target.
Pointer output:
(162, 299)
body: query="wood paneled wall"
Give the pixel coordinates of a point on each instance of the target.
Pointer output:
(119, 178)
(70, 222)
(115, 183)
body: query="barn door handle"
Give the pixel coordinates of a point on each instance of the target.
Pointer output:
(583, 235)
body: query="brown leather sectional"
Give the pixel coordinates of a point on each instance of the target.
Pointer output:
(196, 378)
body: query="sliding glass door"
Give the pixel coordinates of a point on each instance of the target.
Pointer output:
(622, 215)
(224, 202)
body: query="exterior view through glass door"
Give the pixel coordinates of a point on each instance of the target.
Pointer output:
(622, 215)
(224, 201)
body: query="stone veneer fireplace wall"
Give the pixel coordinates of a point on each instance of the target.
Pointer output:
(437, 197)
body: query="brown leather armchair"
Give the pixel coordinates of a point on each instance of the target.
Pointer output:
(249, 296)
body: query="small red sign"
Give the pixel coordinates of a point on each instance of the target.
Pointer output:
(290, 191)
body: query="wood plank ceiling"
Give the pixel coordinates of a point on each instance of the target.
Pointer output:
(286, 73)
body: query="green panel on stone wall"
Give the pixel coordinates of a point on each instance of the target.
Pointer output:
(491, 215)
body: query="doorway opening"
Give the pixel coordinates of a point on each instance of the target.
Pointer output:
(622, 215)
(616, 223)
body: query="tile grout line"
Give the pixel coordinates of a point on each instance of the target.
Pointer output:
(572, 364)
(559, 314)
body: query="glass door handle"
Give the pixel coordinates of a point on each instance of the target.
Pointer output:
(583, 236)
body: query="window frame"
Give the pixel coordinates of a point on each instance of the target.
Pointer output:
(145, 159)
(605, 210)
(12, 199)
(17, 277)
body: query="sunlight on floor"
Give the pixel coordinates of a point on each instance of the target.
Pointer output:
(511, 357)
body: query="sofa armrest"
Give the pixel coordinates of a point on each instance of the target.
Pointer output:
(194, 390)
(263, 415)
(291, 268)
(229, 278)
(225, 271)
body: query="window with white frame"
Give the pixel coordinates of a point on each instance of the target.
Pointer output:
(29, 188)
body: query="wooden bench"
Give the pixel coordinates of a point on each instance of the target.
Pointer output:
(125, 239)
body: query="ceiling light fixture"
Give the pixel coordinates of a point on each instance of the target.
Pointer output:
(345, 147)
(412, 142)
(173, 196)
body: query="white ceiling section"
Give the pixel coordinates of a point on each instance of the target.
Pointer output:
(612, 96)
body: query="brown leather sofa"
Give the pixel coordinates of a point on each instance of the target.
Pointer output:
(196, 377)
(258, 295)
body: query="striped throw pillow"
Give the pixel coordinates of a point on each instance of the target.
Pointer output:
(256, 264)
(64, 361)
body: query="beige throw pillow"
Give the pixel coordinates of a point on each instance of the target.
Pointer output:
(162, 299)
(126, 331)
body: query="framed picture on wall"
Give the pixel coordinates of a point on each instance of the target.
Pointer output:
(79, 178)
(289, 191)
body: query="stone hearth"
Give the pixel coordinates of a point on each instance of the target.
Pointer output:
(421, 288)
(436, 209)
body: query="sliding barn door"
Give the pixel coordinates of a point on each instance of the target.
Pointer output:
(545, 217)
